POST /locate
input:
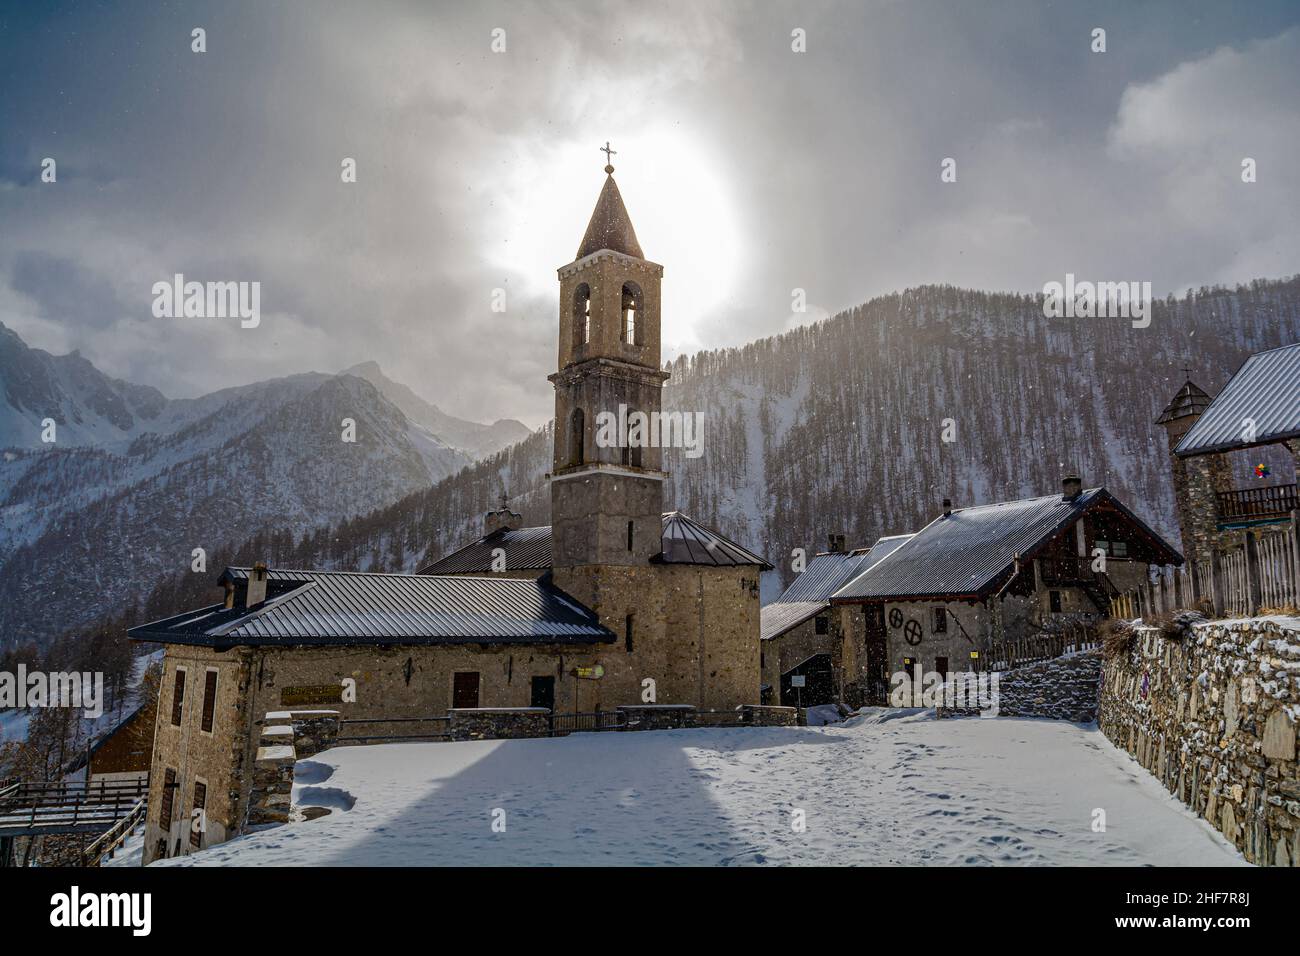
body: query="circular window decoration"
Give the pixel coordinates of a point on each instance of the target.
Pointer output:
(912, 633)
(895, 617)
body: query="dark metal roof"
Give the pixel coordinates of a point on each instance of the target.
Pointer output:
(969, 551)
(823, 576)
(1190, 400)
(342, 607)
(1265, 390)
(811, 591)
(776, 619)
(526, 549)
(685, 541)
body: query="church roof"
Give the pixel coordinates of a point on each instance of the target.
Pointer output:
(311, 608)
(684, 541)
(610, 226)
(1264, 392)
(1190, 400)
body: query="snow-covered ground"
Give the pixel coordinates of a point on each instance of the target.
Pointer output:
(886, 787)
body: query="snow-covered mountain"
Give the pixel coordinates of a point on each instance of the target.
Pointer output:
(837, 426)
(135, 482)
(474, 439)
(840, 426)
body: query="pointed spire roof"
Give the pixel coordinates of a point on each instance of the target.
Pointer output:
(1190, 400)
(610, 226)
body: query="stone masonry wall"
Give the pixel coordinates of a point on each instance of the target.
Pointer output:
(503, 723)
(1212, 715)
(1064, 688)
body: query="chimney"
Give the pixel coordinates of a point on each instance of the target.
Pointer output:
(503, 517)
(836, 543)
(256, 585)
(1071, 487)
(947, 507)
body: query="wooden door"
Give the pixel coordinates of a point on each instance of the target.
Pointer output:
(544, 692)
(464, 689)
(877, 674)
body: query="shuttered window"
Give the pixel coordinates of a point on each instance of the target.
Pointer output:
(178, 698)
(209, 700)
(198, 823)
(165, 814)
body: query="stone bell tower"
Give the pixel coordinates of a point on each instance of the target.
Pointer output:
(606, 479)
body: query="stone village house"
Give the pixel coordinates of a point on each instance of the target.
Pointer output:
(660, 607)
(939, 600)
(1258, 409)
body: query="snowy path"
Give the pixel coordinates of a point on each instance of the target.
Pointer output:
(887, 788)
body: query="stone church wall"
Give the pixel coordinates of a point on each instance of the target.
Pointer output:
(1212, 715)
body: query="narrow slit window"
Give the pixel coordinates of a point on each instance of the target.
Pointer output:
(631, 532)
(627, 633)
(178, 698)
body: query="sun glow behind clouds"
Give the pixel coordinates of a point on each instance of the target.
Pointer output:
(681, 207)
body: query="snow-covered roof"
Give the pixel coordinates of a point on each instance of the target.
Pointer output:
(968, 552)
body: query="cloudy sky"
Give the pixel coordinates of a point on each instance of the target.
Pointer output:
(749, 169)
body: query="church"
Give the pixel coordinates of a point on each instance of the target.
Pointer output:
(618, 602)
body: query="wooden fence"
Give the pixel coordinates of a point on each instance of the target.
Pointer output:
(1263, 573)
(1075, 636)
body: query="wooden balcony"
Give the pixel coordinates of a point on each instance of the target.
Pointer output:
(1257, 505)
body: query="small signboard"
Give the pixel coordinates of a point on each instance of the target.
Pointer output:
(310, 694)
(974, 655)
(798, 680)
(589, 673)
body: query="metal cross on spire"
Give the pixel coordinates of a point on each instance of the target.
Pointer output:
(609, 153)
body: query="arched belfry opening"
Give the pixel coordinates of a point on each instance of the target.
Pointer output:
(631, 309)
(577, 437)
(581, 315)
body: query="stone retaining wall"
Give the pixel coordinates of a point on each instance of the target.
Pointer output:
(498, 723)
(1064, 688)
(1212, 715)
(658, 716)
(272, 793)
(765, 716)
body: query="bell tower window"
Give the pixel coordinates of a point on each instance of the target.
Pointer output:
(631, 305)
(581, 315)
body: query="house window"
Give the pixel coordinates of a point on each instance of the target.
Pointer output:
(1116, 549)
(209, 700)
(1054, 601)
(165, 811)
(941, 666)
(198, 819)
(941, 620)
(178, 697)
(627, 633)
(822, 625)
(631, 534)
